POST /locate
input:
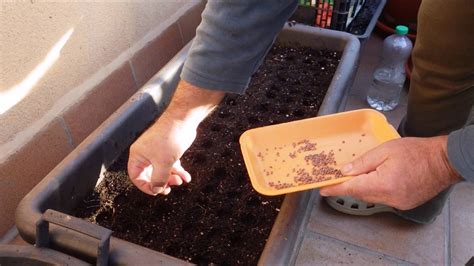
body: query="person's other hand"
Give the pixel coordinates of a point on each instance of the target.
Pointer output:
(153, 164)
(402, 173)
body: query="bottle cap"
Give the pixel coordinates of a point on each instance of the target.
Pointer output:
(401, 30)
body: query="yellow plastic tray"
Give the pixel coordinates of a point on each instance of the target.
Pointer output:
(289, 157)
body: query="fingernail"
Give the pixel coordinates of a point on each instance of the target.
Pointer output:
(323, 193)
(346, 168)
(157, 190)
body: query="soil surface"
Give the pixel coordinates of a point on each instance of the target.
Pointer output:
(218, 218)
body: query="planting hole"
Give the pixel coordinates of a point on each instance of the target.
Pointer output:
(252, 119)
(216, 127)
(231, 102)
(283, 110)
(199, 158)
(299, 112)
(249, 218)
(253, 201)
(206, 144)
(223, 114)
(224, 212)
(226, 153)
(270, 94)
(236, 138)
(263, 107)
(208, 189)
(219, 172)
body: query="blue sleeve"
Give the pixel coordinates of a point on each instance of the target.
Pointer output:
(461, 151)
(232, 40)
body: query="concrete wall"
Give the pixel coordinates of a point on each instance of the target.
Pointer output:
(65, 67)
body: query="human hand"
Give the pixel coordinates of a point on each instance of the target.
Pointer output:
(402, 173)
(153, 164)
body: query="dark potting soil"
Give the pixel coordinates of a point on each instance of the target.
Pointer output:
(218, 218)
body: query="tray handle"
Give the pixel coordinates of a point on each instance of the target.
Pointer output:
(70, 222)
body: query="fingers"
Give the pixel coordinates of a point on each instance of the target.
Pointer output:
(365, 163)
(343, 189)
(140, 174)
(179, 170)
(360, 187)
(159, 178)
(164, 177)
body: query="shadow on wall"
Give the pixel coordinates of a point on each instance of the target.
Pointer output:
(11, 96)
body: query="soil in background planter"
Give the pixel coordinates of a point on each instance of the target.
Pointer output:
(218, 217)
(358, 26)
(365, 15)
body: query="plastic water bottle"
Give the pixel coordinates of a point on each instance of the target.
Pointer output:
(389, 77)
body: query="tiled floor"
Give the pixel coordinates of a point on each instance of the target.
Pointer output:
(335, 238)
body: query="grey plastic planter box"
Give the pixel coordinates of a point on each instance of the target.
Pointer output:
(29, 255)
(75, 177)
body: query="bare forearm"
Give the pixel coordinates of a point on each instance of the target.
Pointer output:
(191, 104)
(153, 164)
